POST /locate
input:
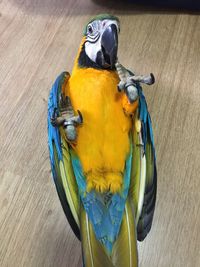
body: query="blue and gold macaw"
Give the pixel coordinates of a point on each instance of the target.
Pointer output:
(102, 150)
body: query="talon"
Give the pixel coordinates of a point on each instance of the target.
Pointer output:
(152, 78)
(80, 116)
(54, 113)
(121, 86)
(53, 117)
(53, 122)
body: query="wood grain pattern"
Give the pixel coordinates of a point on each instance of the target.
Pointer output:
(38, 40)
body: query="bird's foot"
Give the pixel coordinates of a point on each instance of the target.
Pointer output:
(130, 89)
(129, 81)
(67, 119)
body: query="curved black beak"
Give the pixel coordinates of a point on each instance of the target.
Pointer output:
(109, 46)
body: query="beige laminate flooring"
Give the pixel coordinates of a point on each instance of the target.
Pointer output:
(38, 40)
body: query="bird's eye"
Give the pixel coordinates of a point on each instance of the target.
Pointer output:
(90, 29)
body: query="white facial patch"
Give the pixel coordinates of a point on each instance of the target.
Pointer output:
(94, 33)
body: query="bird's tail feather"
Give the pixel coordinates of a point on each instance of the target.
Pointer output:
(94, 254)
(124, 252)
(125, 248)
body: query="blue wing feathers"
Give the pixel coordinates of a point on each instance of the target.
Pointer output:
(55, 151)
(78, 171)
(53, 132)
(145, 119)
(146, 218)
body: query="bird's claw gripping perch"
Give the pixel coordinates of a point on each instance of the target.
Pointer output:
(67, 119)
(128, 82)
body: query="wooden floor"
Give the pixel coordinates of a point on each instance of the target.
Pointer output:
(38, 40)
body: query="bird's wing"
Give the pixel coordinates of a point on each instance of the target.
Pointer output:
(60, 159)
(143, 185)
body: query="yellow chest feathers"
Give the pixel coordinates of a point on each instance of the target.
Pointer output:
(103, 140)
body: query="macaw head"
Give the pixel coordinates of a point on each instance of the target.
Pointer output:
(100, 43)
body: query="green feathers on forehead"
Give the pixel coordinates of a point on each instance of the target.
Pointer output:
(100, 17)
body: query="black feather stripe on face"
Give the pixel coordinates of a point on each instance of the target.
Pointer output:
(85, 62)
